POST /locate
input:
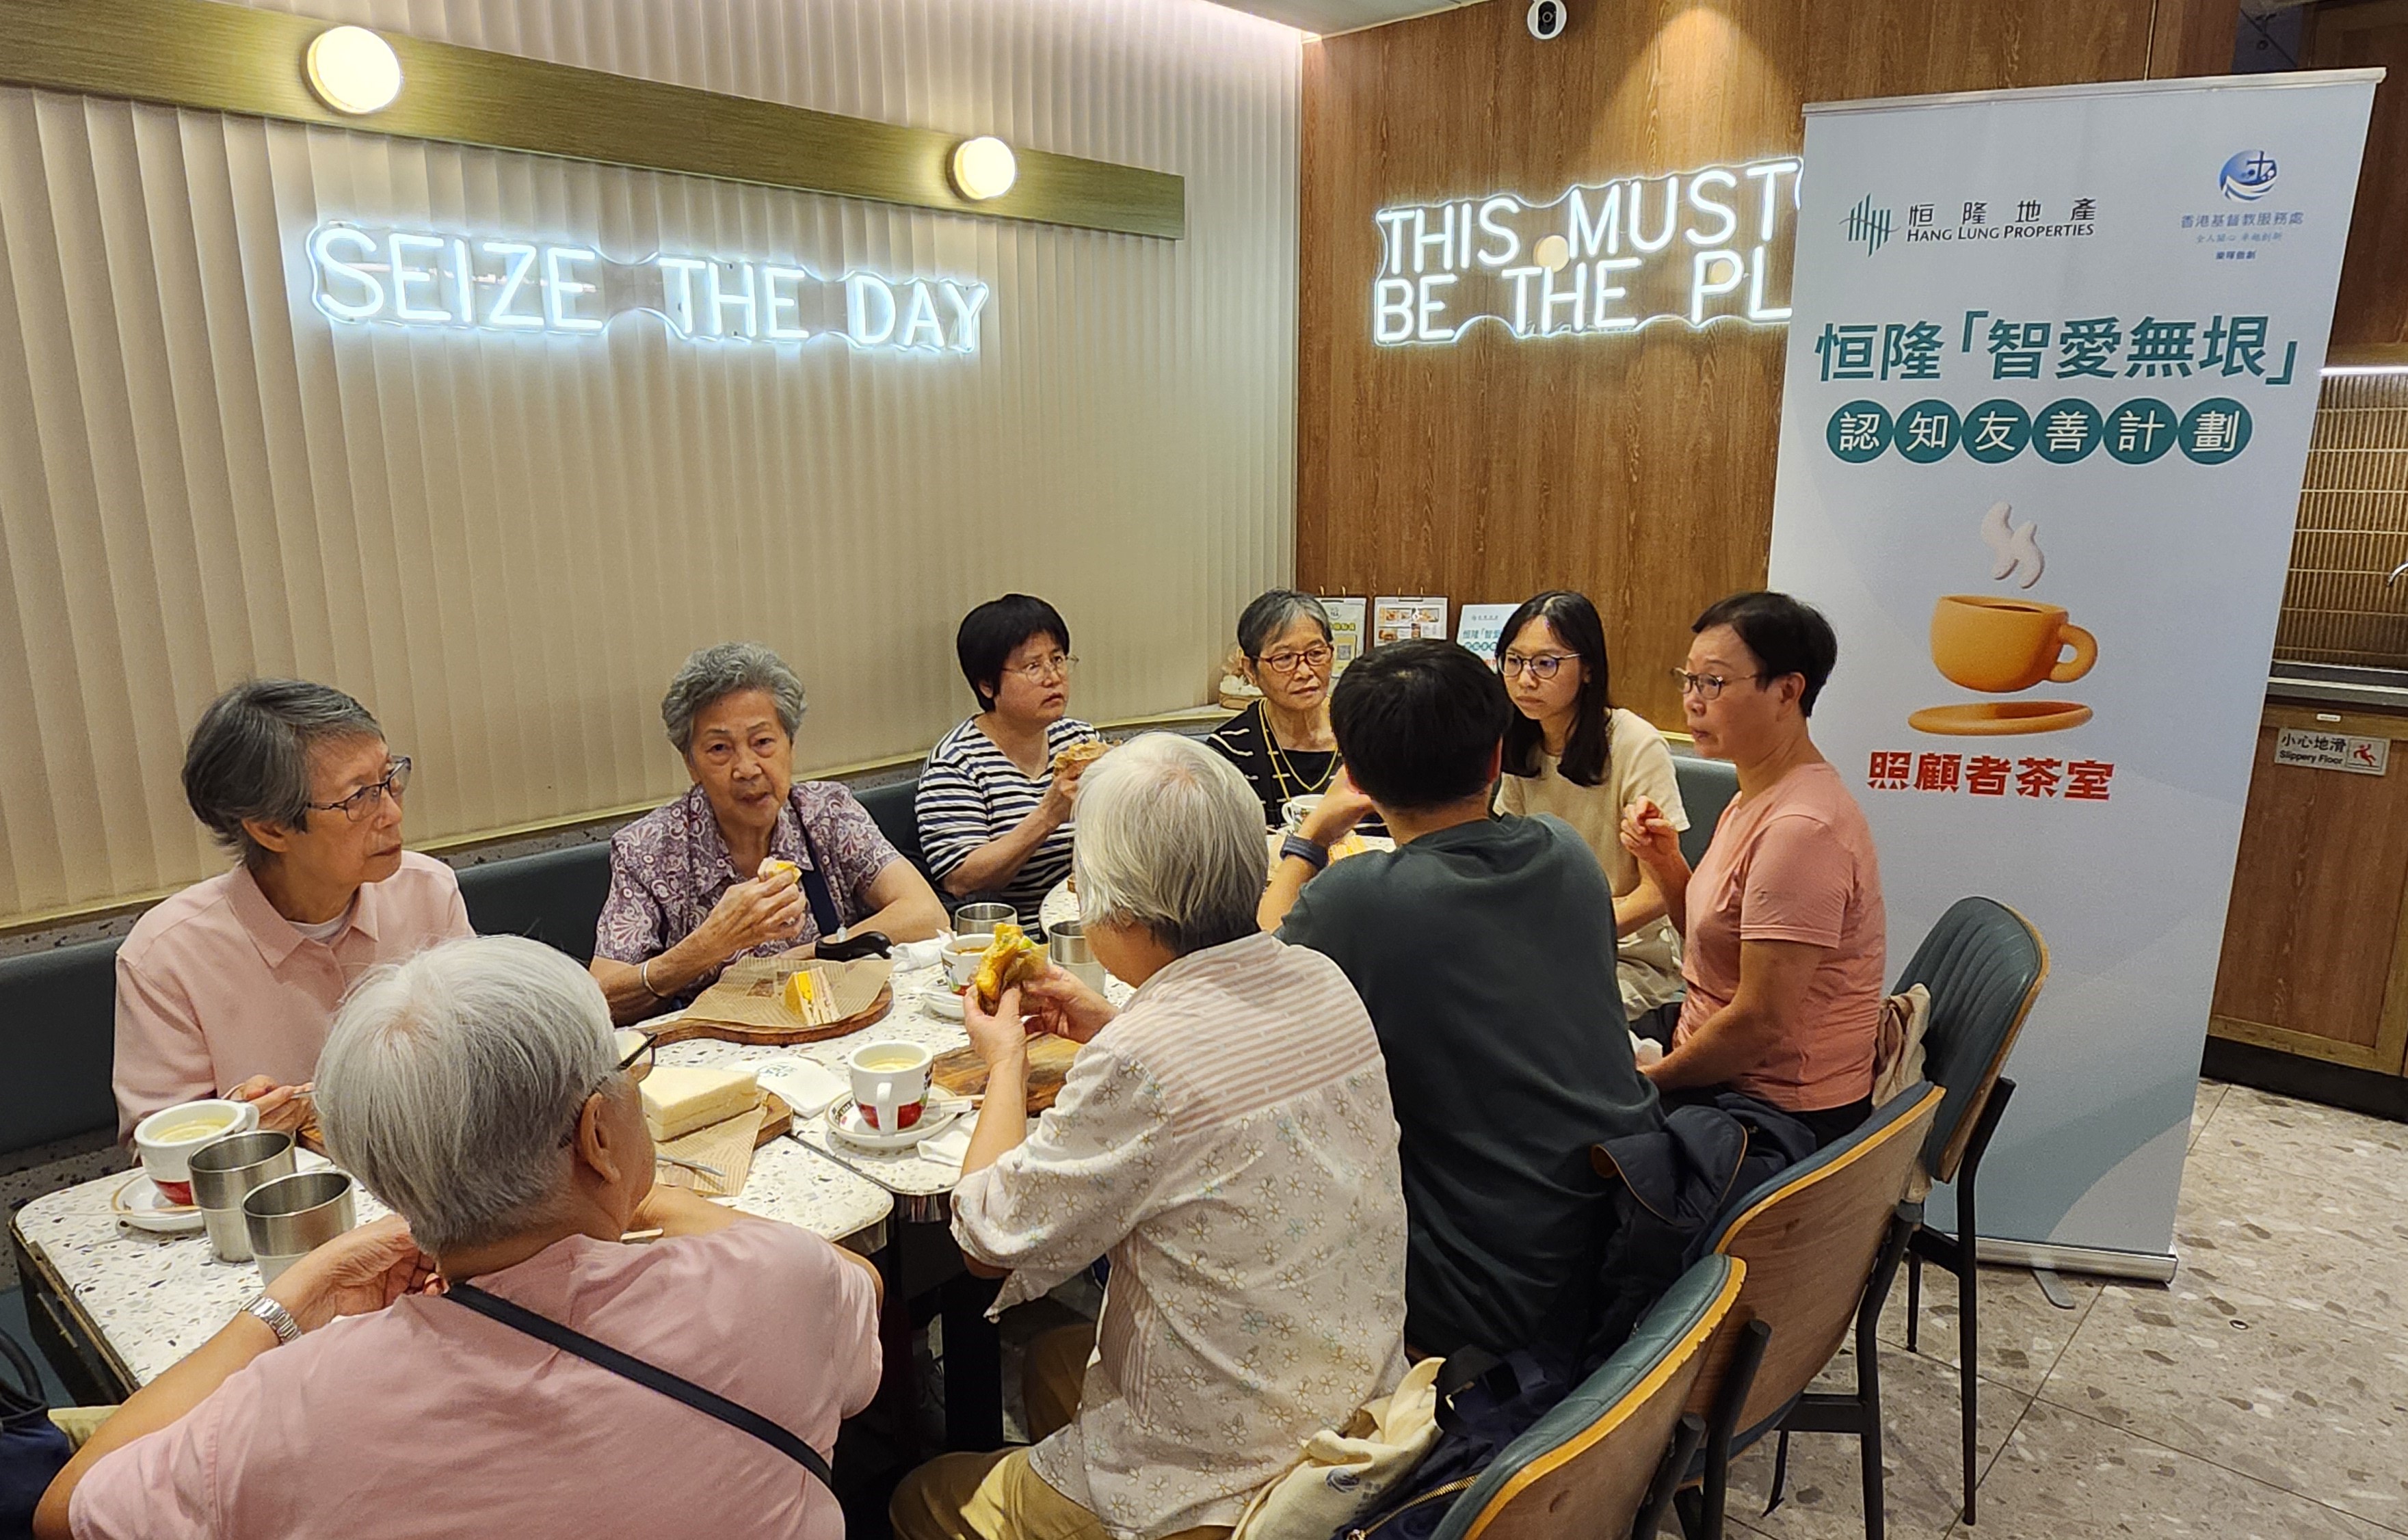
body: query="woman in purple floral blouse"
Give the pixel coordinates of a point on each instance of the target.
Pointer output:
(693, 884)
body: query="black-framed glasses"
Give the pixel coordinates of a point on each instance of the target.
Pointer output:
(1707, 687)
(1285, 664)
(637, 1063)
(367, 799)
(1540, 666)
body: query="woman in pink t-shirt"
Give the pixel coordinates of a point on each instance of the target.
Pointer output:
(1781, 922)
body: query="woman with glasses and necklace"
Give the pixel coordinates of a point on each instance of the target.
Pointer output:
(1571, 751)
(227, 988)
(1281, 744)
(996, 797)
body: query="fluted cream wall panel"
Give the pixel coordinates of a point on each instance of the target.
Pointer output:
(504, 543)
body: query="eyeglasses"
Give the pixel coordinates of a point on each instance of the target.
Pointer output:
(1705, 687)
(1285, 663)
(1540, 666)
(1058, 666)
(638, 1064)
(367, 799)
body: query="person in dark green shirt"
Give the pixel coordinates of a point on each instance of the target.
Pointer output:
(1482, 948)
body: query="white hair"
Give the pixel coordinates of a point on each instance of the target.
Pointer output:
(1171, 839)
(448, 1081)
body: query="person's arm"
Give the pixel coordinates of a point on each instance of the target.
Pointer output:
(996, 862)
(1642, 905)
(905, 908)
(1642, 767)
(1649, 835)
(1002, 1043)
(1341, 810)
(751, 913)
(1767, 1007)
(362, 1270)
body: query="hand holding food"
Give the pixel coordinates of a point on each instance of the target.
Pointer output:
(1650, 836)
(752, 914)
(1009, 959)
(282, 1109)
(1061, 1005)
(996, 1032)
(1062, 792)
(1075, 757)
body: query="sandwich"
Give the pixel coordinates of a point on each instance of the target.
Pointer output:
(1085, 752)
(1011, 957)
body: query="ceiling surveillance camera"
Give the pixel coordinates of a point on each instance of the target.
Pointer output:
(1547, 19)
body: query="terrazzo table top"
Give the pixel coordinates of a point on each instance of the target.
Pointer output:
(148, 1300)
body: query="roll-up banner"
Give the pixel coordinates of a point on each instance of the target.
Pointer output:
(2051, 378)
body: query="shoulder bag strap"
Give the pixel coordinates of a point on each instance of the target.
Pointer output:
(815, 885)
(651, 1377)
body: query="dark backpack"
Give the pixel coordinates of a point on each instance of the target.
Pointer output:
(1485, 1403)
(32, 1449)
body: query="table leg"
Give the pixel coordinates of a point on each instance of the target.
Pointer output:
(973, 1364)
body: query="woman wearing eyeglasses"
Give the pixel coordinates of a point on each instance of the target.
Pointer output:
(227, 988)
(1281, 744)
(1571, 751)
(994, 812)
(1782, 923)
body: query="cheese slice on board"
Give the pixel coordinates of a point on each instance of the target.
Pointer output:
(679, 1099)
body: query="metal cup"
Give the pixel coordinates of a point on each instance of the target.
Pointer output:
(293, 1216)
(981, 918)
(226, 1171)
(1067, 945)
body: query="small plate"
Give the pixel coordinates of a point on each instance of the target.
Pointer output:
(845, 1122)
(943, 1004)
(141, 1205)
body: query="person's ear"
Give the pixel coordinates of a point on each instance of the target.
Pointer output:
(1496, 762)
(597, 1146)
(271, 836)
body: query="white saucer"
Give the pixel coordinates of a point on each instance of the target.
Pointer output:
(141, 1205)
(844, 1120)
(943, 1004)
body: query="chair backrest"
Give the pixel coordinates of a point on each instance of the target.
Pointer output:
(1983, 964)
(1707, 787)
(58, 1012)
(1586, 1466)
(1810, 1236)
(554, 896)
(892, 808)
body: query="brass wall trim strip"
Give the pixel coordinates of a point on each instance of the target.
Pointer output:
(229, 58)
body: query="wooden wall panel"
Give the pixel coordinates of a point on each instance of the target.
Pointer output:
(2372, 309)
(1638, 469)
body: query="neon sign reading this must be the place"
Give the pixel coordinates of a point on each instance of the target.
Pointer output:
(409, 277)
(1694, 246)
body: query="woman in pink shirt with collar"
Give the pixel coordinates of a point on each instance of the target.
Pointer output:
(1781, 921)
(227, 988)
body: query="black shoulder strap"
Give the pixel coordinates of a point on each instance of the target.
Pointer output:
(815, 885)
(544, 1328)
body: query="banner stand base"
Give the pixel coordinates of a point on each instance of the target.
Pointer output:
(2140, 1266)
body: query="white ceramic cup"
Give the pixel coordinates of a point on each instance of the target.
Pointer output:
(192, 1124)
(1292, 817)
(962, 958)
(890, 1084)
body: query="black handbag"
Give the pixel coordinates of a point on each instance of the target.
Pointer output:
(33, 1450)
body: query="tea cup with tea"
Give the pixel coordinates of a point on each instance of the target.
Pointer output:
(890, 1084)
(166, 1140)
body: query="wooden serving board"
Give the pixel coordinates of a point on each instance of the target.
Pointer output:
(963, 1073)
(689, 1027)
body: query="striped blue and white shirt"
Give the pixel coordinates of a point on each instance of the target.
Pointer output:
(971, 793)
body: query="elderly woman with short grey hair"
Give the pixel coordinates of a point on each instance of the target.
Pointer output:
(1283, 743)
(750, 861)
(1226, 1139)
(227, 988)
(478, 1090)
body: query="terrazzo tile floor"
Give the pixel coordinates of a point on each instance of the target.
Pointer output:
(2263, 1393)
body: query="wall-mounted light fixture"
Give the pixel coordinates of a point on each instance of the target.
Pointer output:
(353, 70)
(983, 168)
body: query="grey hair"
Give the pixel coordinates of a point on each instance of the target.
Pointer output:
(448, 1080)
(712, 673)
(1171, 839)
(249, 757)
(1274, 612)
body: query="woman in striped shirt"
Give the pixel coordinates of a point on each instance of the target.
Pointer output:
(994, 814)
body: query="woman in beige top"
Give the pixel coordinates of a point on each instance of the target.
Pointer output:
(1573, 754)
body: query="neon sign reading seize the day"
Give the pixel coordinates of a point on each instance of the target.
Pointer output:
(483, 283)
(1694, 247)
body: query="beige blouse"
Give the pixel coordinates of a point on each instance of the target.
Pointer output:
(1639, 765)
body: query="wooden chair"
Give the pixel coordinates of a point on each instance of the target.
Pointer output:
(1598, 1464)
(1821, 1241)
(1983, 964)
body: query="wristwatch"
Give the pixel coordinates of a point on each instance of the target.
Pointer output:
(279, 1320)
(1314, 856)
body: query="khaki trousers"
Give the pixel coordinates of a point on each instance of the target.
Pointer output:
(997, 1496)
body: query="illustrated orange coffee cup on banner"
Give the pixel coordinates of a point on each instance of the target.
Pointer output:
(1998, 645)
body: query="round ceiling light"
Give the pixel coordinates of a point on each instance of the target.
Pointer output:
(353, 70)
(983, 168)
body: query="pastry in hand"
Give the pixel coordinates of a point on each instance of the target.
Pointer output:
(1085, 751)
(1011, 957)
(775, 868)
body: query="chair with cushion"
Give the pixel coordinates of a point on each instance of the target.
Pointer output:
(894, 809)
(59, 1007)
(1707, 787)
(1821, 1241)
(1598, 1463)
(1983, 964)
(554, 896)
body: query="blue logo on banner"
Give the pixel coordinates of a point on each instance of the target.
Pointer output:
(2248, 177)
(1867, 225)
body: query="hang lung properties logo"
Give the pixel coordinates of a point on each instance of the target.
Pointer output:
(2248, 177)
(1867, 225)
